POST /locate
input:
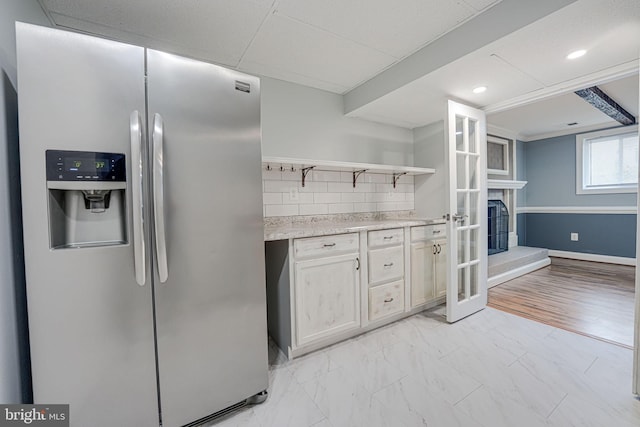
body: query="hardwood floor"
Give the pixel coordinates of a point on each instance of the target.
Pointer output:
(590, 298)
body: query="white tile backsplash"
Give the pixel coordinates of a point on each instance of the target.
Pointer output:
(281, 210)
(314, 209)
(332, 192)
(326, 198)
(335, 208)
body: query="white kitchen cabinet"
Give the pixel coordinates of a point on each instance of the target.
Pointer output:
(324, 289)
(385, 268)
(385, 300)
(326, 296)
(428, 264)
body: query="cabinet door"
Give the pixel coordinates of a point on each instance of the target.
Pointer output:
(422, 273)
(327, 296)
(441, 268)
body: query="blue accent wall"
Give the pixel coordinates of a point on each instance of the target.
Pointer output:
(601, 234)
(549, 166)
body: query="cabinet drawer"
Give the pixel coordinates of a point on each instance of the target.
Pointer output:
(386, 264)
(428, 232)
(326, 245)
(393, 236)
(386, 300)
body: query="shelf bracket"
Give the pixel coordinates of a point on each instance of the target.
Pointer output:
(397, 176)
(356, 174)
(305, 171)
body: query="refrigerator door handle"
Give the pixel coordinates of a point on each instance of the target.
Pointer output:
(158, 197)
(136, 196)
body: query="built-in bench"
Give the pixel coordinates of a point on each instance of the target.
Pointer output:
(517, 261)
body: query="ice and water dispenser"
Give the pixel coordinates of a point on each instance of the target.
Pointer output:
(86, 199)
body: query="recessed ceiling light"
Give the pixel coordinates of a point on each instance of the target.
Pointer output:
(576, 54)
(480, 89)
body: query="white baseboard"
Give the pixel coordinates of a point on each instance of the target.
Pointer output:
(517, 272)
(593, 257)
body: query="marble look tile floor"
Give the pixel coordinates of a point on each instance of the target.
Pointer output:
(491, 369)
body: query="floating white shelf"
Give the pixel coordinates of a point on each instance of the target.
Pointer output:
(503, 184)
(305, 165)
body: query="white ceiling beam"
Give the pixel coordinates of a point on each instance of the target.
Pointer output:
(491, 25)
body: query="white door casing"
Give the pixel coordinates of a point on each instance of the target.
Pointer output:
(467, 226)
(636, 344)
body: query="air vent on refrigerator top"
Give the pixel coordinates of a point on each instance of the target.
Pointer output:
(243, 87)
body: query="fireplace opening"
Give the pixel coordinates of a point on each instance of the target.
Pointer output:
(498, 227)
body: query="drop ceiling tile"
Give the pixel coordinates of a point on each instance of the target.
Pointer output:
(481, 4)
(608, 29)
(288, 76)
(308, 51)
(221, 30)
(396, 27)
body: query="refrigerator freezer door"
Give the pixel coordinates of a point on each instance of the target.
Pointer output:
(211, 311)
(90, 323)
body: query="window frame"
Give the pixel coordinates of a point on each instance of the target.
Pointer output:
(505, 154)
(580, 141)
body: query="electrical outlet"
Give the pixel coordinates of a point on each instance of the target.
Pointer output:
(294, 195)
(574, 237)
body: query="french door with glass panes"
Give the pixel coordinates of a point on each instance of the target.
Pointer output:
(467, 273)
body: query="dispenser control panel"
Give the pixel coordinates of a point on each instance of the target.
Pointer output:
(85, 166)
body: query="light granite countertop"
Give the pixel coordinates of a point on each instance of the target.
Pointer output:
(283, 228)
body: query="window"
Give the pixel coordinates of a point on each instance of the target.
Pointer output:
(497, 156)
(607, 161)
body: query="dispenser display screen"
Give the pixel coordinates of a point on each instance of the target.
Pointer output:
(85, 166)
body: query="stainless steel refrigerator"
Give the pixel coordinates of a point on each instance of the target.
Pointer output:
(143, 232)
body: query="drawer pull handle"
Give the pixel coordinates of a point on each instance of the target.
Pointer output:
(388, 237)
(358, 261)
(329, 245)
(388, 300)
(388, 265)
(437, 231)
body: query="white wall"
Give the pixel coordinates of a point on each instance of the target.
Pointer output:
(431, 190)
(11, 282)
(301, 122)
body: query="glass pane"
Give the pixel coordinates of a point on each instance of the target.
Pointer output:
(474, 253)
(495, 156)
(462, 244)
(473, 208)
(473, 172)
(473, 144)
(604, 158)
(459, 133)
(630, 160)
(462, 205)
(462, 279)
(461, 171)
(473, 280)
